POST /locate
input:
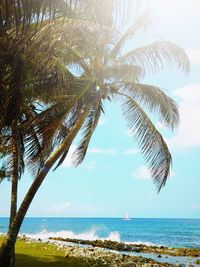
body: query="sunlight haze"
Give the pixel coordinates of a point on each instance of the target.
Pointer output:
(112, 181)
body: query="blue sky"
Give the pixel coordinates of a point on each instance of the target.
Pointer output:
(113, 179)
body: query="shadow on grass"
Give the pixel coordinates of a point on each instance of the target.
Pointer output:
(56, 261)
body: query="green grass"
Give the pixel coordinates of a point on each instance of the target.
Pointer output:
(43, 255)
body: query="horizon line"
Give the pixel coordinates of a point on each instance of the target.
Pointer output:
(76, 217)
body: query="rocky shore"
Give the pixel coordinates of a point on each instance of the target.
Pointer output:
(99, 257)
(120, 246)
(93, 256)
(99, 253)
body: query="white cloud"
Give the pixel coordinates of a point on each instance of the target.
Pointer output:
(90, 165)
(131, 151)
(142, 173)
(196, 206)
(150, 197)
(194, 56)
(189, 93)
(105, 151)
(70, 207)
(68, 162)
(188, 133)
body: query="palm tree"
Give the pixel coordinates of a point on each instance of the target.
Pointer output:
(105, 73)
(17, 20)
(24, 27)
(16, 32)
(32, 64)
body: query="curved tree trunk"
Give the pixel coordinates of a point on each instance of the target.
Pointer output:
(10, 239)
(14, 178)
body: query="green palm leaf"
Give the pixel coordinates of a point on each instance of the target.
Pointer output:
(141, 23)
(89, 127)
(122, 72)
(151, 143)
(155, 100)
(107, 12)
(23, 15)
(152, 57)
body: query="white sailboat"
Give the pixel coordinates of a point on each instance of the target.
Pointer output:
(126, 218)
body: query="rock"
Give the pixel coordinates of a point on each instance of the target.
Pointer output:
(136, 249)
(159, 256)
(197, 261)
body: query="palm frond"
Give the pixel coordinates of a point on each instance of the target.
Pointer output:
(142, 22)
(152, 57)
(39, 133)
(23, 15)
(122, 72)
(5, 151)
(106, 12)
(123, 10)
(21, 154)
(89, 127)
(67, 142)
(155, 100)
(4, 173)
(151, 143)
(63, 156)
(48, 130)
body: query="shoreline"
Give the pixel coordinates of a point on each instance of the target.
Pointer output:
(106, 253)
(109, 252)
(128, 247)
(33, 253)
(160, 254)
(98, 256)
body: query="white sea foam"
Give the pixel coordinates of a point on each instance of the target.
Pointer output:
(88, 235)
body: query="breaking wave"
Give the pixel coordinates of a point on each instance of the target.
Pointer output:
(88, 235)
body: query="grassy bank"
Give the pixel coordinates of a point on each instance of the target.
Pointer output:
(31, 254)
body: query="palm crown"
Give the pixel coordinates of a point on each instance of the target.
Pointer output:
(110, 73)
(74, 64)
(85, 65)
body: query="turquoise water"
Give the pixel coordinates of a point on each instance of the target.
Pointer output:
(167, 232)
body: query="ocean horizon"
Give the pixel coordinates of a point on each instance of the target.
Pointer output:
(171, 232)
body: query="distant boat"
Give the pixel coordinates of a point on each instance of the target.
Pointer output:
(126, 218)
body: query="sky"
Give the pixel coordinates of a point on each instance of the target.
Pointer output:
(113, 179)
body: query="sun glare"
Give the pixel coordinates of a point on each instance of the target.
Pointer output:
(174, 8)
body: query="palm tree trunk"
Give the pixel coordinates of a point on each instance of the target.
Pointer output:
(13, 208)
(14, 177)
(10, 239)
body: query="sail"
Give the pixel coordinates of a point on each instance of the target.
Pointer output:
(126, 218)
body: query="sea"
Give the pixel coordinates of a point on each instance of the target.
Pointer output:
(165, 232)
